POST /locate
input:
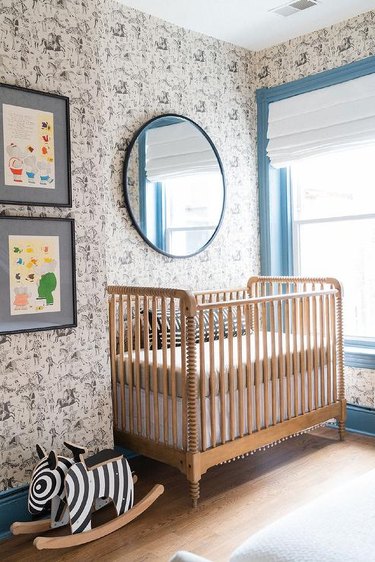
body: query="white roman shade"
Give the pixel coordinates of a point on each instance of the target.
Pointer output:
(333, 118)
(178, 150)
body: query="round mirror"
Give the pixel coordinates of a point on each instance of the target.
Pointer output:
(174, 186)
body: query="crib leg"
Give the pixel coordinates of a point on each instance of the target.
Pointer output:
(341, 426)
(194, 493)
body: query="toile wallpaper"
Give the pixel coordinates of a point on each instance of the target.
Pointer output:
(328, 48)
(121, 67)
(159, 68)
(55, 384)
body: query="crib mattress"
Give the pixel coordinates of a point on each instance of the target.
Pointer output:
(229, 363)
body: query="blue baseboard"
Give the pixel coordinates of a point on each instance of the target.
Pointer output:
(13, 507)
(128, 454)
(360, 420)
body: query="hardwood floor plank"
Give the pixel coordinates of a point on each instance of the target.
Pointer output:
(237, 499)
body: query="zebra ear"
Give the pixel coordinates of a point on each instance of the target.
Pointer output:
(76, 450)
(41, 452)
(52, 460)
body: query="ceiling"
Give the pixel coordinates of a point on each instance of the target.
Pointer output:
(248, 23)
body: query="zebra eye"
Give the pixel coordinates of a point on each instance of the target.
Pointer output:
(41, 486)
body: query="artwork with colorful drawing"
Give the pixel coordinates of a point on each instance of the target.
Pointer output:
(34, 273)
(29, 147)
(35, 159)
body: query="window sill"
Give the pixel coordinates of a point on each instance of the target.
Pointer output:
(360, 357)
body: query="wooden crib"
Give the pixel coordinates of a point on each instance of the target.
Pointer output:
(201, 378)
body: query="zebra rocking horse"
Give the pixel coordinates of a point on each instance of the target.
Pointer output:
(74, 488)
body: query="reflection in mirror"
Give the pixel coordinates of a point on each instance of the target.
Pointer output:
(174, 186)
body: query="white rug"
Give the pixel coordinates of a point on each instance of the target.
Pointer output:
(336, 527)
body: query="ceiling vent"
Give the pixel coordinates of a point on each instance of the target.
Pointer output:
(294, 7)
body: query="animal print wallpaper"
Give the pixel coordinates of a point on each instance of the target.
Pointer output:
(121, 67)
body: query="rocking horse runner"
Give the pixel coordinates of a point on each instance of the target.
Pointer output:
(75, 487)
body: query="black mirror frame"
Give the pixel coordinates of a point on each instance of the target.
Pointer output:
(125, 184)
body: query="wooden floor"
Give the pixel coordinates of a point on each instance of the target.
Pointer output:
(237, 499)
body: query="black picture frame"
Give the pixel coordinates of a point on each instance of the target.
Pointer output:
(34, 179)
(37, 274)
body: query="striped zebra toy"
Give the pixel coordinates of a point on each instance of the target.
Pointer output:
(75, 488)
(83, 486)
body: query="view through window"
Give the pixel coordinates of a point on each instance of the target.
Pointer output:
(193, 210)
(334, 229)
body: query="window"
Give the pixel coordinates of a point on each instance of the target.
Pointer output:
(192, 213)
(317, 217)
(333, 229)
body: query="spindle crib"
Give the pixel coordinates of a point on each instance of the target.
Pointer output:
(201, 378)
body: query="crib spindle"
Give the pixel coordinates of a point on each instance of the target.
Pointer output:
(329, 350)
(296, 361)
(121, 364)
(302, 373)
(274, 367)
(202, 379)
(129, 317)
(213, 387)
(113, 350)
(165, 368)
(258, 373)
(155, 388)
(146, 346)
(265, 364)
(173, 370)
(240, 377)
(249, 367)
(231, 374)
(308, 353)
(315, 312)
(288, 359)
(223, 420)
(137, 345)
(322, 352)
(281, 355)
(184, 379)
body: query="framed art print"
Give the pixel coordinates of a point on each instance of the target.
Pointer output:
(37, 274)
(34, 148)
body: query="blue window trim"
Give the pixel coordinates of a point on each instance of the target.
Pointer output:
(276, 242)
